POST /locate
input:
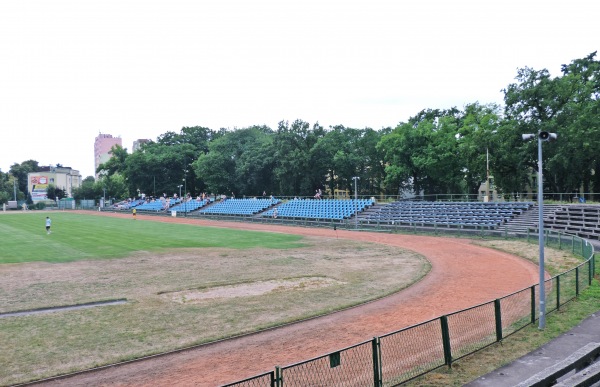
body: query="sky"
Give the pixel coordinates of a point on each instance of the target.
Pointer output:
(70, 70)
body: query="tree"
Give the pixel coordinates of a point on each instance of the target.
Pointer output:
(55, 193)
(116, 163)
(567, 105)
(86, 191)
(20, 171)
(294, 170)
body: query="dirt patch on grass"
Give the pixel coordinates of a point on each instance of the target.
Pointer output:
(249, 289)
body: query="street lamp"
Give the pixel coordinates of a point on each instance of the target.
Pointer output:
(356, 178)
(185, 191)
(542, 136)
(487, 168)
(185, 181)
(15, 186)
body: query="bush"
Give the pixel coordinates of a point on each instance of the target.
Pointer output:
(40, 205)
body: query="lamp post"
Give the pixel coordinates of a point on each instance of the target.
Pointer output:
(487, 169)
(487, 172)
(179, 186)
(15, 186)
(542, 136)
(356, 179)
(185, 192)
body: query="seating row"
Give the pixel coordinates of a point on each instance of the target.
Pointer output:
(189, 206)
(332, 209)
(240, 206)
(448, 213)
(157, 205)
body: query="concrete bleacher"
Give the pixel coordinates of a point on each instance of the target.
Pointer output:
(449, 214)
(580, 220)
(578, 361)
(239, 207)
(326, 209)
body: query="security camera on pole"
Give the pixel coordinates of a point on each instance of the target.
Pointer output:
(542, 136)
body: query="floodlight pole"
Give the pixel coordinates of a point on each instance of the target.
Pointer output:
(542, 321)
(185, 191)
(541, 136)
(356, 178)
(487, 172)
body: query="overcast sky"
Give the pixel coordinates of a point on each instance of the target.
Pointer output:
(136, 69)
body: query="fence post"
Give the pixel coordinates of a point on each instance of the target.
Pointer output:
(591, 270)
(376, 345)
(573, 244)
(278, 377)
(533, 304)
(557, 292)
(498, 314)
(559, 241)
(446, 341)
(577, 281)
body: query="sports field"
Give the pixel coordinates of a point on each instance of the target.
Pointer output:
(184, 285)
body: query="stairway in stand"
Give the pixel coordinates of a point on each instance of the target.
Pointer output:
(528, 220)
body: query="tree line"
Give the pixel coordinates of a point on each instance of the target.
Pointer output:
(437, 151)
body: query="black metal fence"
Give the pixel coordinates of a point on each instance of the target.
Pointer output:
(406, 354)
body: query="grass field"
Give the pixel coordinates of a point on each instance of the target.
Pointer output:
(75, 237)
(166, 272)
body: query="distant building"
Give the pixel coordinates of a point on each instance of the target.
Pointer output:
(137, 144)
(64, 178)
(102, 146)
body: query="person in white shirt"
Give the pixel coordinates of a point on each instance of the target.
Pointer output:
(48, 224)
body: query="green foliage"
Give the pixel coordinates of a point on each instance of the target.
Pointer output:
(568, 105)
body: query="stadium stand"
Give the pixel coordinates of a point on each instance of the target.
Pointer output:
(580, 220)
(450, 214)
(328, 209)
(239, 206)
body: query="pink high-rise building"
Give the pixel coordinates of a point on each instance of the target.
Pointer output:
(102, 146)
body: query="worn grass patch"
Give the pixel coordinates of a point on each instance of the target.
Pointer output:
(39, 346)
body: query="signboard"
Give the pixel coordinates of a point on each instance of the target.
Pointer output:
(39, 188)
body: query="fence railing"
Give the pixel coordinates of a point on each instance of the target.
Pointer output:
(406, 354)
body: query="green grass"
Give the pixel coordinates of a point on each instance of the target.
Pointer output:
(74, 237)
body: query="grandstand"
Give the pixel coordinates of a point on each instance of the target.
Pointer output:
(243, 207)
(580, 220)
(450, 214)
(326, 209)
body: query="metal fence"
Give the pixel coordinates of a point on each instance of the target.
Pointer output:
(406, 354)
